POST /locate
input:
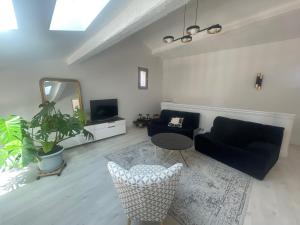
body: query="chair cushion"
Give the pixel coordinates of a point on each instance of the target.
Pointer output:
(145, 170)
(136, 177)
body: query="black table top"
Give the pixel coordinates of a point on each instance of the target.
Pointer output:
(172, 141)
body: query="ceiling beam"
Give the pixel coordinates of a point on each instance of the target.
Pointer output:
(135, 16)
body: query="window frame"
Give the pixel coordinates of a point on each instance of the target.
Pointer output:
(143, 69)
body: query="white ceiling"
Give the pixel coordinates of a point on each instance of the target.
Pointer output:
(209, 12)
(245, 23)
(281, 28)
(33, 40)
(136, 15)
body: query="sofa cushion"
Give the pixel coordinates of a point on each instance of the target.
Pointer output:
(241, 133)
(190, 123)
(255, 165)
(158, 121)
(249, 147)
(268, 152)
(190, 119)
(176, 122)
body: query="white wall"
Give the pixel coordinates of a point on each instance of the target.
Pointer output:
(226, 79)
(112, 74)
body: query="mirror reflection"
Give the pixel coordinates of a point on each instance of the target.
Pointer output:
(64, 92)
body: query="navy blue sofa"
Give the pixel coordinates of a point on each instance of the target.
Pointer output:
(252, 148)
(190, 123)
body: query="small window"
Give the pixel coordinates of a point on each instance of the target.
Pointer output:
(143, 78)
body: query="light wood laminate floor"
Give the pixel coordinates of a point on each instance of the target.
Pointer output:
(84, 194)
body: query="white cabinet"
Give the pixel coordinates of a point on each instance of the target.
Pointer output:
(69, 142)
(100, 131)
(82, 140)
(110, 129)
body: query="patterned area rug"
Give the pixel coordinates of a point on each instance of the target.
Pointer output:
(209, 192)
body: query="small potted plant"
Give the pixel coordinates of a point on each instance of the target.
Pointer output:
(41, 137)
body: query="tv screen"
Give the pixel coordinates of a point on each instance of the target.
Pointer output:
(103, 109)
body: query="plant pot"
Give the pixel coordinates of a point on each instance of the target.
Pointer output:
(51, 162)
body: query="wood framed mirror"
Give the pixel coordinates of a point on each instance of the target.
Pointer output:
(66, 93)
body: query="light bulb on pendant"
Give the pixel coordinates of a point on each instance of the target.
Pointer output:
(214, 29)
(186, 39)
(168, 39)
(193, 29)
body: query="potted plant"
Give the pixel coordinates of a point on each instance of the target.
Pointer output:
(41, 137)
(11, 147)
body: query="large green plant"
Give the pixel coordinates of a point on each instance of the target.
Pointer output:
(16, 150)
(10, 142)
(50, 127)
(21, 142)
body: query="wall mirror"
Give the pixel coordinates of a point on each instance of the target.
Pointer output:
(66, 93)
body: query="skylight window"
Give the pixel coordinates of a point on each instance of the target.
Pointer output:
(75, 15)
(8, 19)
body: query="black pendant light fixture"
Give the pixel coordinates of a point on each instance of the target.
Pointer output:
(214, 29)
(185, 37)
(192, 30)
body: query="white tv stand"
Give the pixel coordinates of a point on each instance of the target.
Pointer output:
(100, 129)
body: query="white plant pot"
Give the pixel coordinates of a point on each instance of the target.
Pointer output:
(50, 163)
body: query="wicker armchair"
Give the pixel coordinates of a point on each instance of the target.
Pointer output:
(146, 191)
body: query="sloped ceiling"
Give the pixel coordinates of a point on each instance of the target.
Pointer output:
(245, 23)
(136, 15)
(33, 41)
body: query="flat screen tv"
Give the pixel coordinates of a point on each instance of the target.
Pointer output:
(103, 109)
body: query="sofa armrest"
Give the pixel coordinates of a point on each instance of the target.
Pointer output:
(199, 131)
(204, 138)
